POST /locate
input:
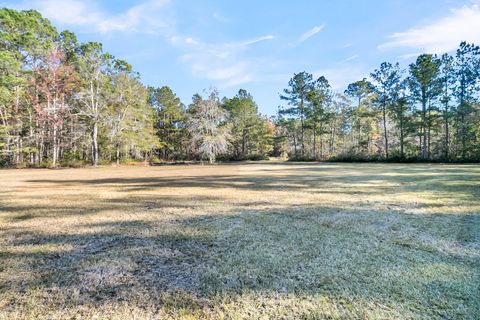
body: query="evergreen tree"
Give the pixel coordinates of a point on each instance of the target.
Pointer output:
(425, 86)
(388, 81)
(170, 120)
(296, 95)
(245, 121)
(318, 98)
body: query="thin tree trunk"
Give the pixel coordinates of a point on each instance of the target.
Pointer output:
(359, 143)
(424, 127)
(295, 143)
(303, 127)
(19, 153)
(385, 128)
(32, 137)
(243, 142)
(95, 144)
(42, 148)
(401, 134)
(321, 141)
(464, 142)
(3, 116)
(54, 156)
(18, 148)
(446, 133)
(445, 113)
(420, 141)
(332, 140)
(429, 124)
(118, 154)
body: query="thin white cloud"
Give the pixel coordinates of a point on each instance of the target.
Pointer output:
(142, 17)
(442, 35)
(223, 63)
(252, 41)
(310, 33)
(207, 65)
(87, 14)
(355, 56)
(71, 12)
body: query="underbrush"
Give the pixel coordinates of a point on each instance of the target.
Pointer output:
(250, 157)
(365, 158)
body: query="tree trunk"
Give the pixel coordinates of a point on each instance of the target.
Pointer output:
(424, 127)
(95, 144)
(18, 125)
(464, 142)
(446, 132)
(244, 134)
(385, 128)
(321, 141)
(302, 125)
(429, 125)
(401, 135)
(295, 143)
(332, 140)
(420, 137)
(55, 147)
(118, 153)
(3, 116)
(41, 150)
(19, 152)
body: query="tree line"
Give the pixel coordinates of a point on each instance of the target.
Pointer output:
(428, 112)
(68, 103)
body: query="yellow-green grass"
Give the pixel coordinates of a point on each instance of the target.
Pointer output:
(253, 240)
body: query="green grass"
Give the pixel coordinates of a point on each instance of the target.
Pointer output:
(241, 241)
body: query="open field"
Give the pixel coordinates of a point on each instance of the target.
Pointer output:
(257, 241)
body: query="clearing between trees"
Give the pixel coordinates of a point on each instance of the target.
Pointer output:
(251, 240)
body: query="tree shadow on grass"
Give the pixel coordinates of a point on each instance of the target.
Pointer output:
(17, 212)
(466, 186)
(403, 261)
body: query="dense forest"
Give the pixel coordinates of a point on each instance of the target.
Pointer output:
(65, 103)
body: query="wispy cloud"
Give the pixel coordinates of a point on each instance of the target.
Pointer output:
(252, 41)
(143, 17)
(442, 35)
(224, 63)
(355, 56)
(310, 33)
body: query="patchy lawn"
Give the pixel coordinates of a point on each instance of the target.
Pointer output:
(258, 241)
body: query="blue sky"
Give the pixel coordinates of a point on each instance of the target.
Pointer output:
(257, 45)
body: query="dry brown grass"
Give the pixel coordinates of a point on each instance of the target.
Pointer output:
(259, 241)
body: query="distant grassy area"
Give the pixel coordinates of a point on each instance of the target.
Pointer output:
(255, 241)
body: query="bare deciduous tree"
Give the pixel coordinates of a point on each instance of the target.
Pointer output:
(207, 128)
